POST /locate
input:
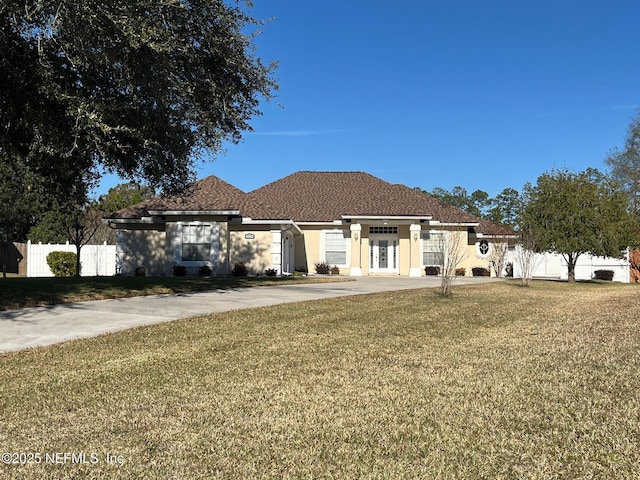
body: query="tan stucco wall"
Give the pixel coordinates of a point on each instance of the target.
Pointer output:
(308, 251)
(364, 250)
(473, 259)
(404, 246)
(470, 257)
(308, 248)
(146, 248)
(254, 253)
(155, 250)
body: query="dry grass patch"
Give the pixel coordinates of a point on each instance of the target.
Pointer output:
(495, 382)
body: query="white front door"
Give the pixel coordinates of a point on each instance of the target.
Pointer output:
(383, 254)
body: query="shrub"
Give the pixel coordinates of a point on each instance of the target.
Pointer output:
(335, 270)
(179, 270)
(460, 272)
(480, 272)
(140, 271)
(299, 273)
(271, 272)
(323, 268)
(62, 264)
(239, 270)
(204, 271)
(432, 270)
(603, 275)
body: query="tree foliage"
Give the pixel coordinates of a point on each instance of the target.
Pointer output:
(625, 165)
(475, 204)
(577, 213)
(18, 204)
(138, 87)
(504, 209)
(74, 218)
(141, 88)
(124, 195)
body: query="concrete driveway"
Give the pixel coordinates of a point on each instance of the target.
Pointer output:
(32, 327)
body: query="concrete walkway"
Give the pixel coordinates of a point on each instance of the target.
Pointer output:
(32, 327)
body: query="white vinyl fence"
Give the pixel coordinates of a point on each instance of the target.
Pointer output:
(96, 260)
(553, 265)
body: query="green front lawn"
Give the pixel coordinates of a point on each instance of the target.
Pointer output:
(32, 292)
(497, 382)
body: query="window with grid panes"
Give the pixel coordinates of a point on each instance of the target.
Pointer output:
(196, 243)
(335, 247)
(431, 251)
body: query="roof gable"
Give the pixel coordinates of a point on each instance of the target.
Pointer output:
(209, 194)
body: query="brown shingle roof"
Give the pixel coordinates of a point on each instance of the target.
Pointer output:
(326, 196)
(312, 197)
(493, 229)
(208, 194)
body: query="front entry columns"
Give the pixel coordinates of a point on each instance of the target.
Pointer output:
(415, 253)
(356, 247)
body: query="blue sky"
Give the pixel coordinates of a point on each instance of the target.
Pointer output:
(485, 95)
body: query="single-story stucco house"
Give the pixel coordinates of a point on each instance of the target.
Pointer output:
(353, 220)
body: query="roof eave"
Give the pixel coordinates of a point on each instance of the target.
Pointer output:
(265, 221)
(182, 213)
(145, 219)
(496, 235)
(388, 217)
(453, 224)
(119, 223)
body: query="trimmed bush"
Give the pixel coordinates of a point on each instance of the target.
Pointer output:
(239, 270)
(460, 272)
(204, 271)
(480, 272)
(432, 270)
(62, 264)
(179, 270)
(140, 271)
(335, 270)
(603, 275)
(323, 268)
(271, 272)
